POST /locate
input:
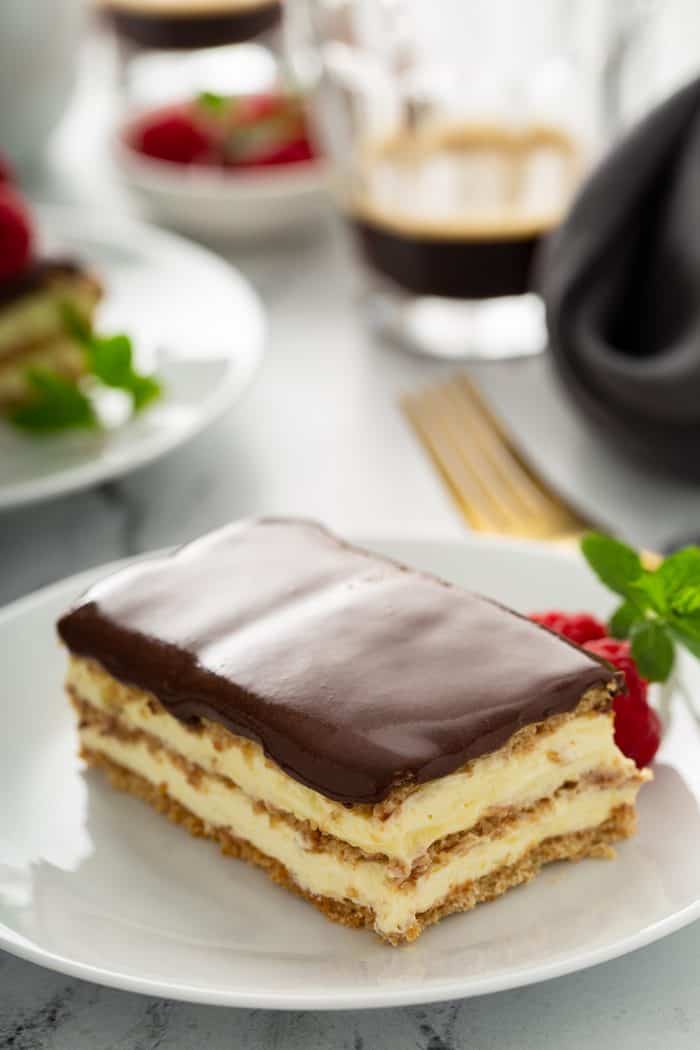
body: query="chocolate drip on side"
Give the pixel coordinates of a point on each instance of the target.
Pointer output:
(354, 673)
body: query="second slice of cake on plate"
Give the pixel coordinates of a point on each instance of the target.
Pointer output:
(33, 332)
(392, 747)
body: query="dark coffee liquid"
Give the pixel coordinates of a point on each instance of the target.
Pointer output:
(473, 269)
(181, 25)
(462, 214)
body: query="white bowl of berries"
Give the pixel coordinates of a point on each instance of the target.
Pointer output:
(223, 167)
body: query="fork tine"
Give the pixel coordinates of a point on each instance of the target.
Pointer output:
(469, 475)
(494, 487)
(474, 460)
(498, 448)
(471, 390)
(459, 480)
(541, 511)
(475, 434)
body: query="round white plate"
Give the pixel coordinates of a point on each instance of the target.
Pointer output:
(95, 884)
(189, 314)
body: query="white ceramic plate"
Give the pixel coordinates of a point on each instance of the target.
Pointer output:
(95, 884)
(225, 205)
(189, 313)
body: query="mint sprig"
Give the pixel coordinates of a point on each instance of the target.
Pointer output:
(59, 403)
(110, 359)
(212, 102)
(660, 607)
(56, 404)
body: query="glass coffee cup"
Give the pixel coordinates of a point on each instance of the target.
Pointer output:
(459, 132)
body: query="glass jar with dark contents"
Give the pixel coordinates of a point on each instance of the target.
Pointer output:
(459, 131)
(171, 48)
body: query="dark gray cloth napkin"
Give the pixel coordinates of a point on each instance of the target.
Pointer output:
(621, 283)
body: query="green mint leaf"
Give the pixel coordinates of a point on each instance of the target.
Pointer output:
(649, 592)
(211, 101)
(689, 623)
(57, 404)
(680, 571)
(691, 642)
(685, 602)
(660, 607)
(110, 360)
(143, 390)
(614, 563)
(622, 619)
(75, 324)
(652, 649)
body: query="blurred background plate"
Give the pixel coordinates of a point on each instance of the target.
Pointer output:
(191, 316)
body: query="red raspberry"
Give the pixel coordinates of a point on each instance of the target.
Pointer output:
(16, 233)
(637, 729)
(174, 136)
(6, 172)
(577, 627)
(637, 725)
(619, 654)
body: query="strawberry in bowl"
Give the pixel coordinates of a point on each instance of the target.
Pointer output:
(225, 166)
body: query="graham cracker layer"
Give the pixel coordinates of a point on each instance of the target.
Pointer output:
(593, 842)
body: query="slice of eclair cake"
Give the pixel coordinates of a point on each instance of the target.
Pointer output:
(389, 746)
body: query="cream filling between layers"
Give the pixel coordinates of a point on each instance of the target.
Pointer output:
(441, 807)
(364, 882)
(59, 355)
(37, 316)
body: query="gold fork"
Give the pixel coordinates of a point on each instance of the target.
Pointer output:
(495, 489)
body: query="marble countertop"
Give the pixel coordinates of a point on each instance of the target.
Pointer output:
(320, 434)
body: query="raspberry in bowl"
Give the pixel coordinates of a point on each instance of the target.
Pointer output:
(225, 166)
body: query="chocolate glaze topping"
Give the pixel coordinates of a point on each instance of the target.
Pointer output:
(353, 672)
(35, 278)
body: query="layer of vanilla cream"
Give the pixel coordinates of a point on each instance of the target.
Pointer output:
(451, 804)
(364, 882)
(37, 316)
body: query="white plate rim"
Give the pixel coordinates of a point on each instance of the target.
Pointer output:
(24, 493)
(448, 989)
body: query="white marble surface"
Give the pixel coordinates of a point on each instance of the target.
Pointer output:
(320, 434)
